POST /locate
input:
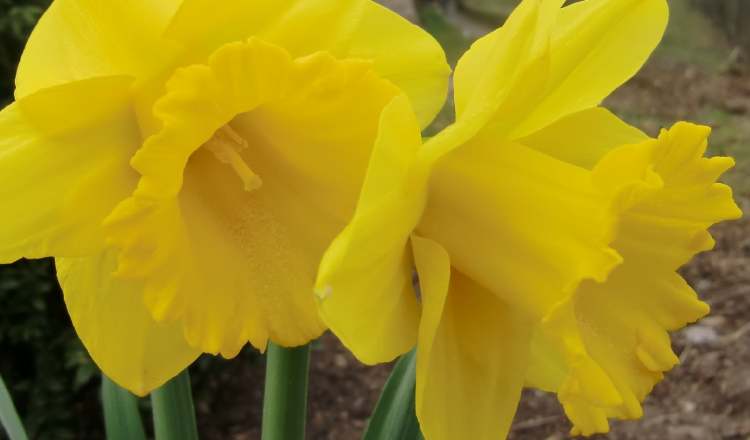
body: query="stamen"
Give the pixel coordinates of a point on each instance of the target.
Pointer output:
(226, 145)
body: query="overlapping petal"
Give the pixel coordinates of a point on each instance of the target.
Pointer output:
(487, 75)
(368, 267)
(603, 132)
(63, 167)
(546, 63)
(240, 193)
(583, 66)
(464, 389)
(117, 329)
(83, 39)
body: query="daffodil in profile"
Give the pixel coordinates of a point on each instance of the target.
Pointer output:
(545, 233)
(187, 163)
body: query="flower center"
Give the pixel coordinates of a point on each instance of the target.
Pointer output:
(227, 145)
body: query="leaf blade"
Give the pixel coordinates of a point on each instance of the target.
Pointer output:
(395, 416)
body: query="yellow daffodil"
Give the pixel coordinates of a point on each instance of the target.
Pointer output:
(545, 232)
(187, 163)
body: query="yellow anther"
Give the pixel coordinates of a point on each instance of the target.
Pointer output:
(226, 145)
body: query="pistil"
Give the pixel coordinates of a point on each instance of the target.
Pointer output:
(226, 145)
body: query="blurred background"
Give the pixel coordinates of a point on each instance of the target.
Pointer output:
(700, 73)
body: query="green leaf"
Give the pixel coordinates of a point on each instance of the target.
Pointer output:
(173, 410)
(285, 394)
(395, 415)
(121, 417)
(9, 416)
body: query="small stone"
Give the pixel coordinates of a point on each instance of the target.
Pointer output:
(736, 381)
(737, 105)
(688, 406)
(690, 432)
(701, 335)
(538, 393)
(340, 361)
(715, 321)
(703, 284)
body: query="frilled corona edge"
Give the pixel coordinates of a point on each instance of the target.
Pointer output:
(622, 324)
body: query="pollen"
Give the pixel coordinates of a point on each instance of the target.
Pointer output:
(226, 145)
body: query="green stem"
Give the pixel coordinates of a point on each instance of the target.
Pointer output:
(121, 417)
(174, 414)
(285, 395)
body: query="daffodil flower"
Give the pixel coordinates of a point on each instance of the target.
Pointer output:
(187, 163)
(545, 232)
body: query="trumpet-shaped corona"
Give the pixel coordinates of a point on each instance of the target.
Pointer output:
(188, 176)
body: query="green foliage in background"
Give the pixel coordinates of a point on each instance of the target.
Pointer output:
(45, 366)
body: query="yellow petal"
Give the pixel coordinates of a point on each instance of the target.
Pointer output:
(583, 66)
(583, 138)
(405, 54)
(365, 277)
(203, 27)
(81, 39)
(507, 213)
(64, 166)
(546, 63)
(242, 189)
(471, 355)
(116, 328)
(490, 71)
